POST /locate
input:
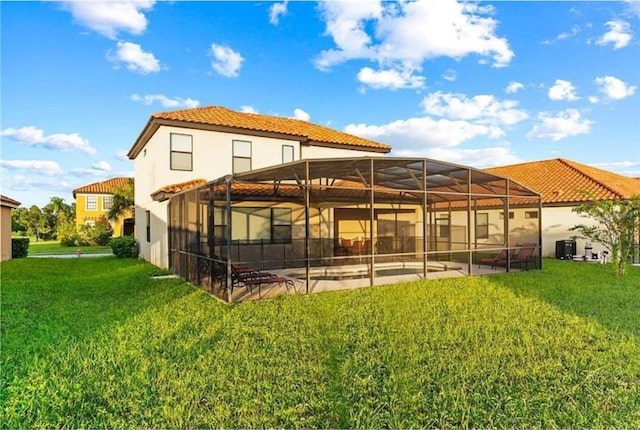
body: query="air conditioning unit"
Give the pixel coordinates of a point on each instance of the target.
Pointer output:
(565, 249)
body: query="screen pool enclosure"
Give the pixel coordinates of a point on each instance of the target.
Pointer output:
(328, 224)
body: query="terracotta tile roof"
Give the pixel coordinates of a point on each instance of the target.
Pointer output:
(224, 117)
(559, 181)
(8, 201)
(168, 190)
(104, 187)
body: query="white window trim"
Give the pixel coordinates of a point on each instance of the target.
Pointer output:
(86, 202)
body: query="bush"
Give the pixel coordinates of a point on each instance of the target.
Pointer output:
(19, 247)
(124, 247)
(104, 238)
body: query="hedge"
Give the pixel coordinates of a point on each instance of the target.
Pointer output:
(19, 247)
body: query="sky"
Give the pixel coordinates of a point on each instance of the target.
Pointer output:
(477, 83)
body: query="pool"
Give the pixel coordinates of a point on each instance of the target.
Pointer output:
(346, 273)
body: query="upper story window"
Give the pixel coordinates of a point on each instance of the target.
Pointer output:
(287, 153)
(511, 215)
(92, 203)
(241, 156)
(181, 151)
(531, 214)
(107, 202)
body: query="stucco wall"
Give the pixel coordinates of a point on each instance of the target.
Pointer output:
(556, 223)
(212, 159)
(5, 232)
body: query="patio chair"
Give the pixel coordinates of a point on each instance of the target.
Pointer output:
(524, 253)
(244, 276)
(492, 261)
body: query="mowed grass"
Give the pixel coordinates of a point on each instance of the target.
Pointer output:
(97, 343)
(53, 247)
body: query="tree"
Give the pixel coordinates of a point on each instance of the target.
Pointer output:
(123, 200)
(56, 214)
(618, 226)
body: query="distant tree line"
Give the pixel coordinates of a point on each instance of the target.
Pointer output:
(44, 223)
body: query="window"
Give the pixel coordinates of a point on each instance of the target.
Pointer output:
(287, 153)
(219, 225)
(107, 202)
(92, 203)
(241, 156)
(482, 226)
(181, 151)
(147, 215)
(271, 225)
(531, 214)
(442, 225)
(511, 215)
(90, 222)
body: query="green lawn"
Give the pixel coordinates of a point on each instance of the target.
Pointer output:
(52, 247)
(97, 343)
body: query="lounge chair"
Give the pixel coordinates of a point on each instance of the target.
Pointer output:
(492, 261)
(522, 255)
(246, 277)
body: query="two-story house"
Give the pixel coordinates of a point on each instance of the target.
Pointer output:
(178, 147)
(95, 200)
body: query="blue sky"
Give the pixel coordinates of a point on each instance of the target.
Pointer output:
(482, 84)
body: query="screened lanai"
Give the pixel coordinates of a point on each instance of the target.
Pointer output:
(328, 224)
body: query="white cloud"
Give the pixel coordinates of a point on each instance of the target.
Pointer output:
(559, 125)
(482, 109)
(450, 75)
(64, 142)
(481, 157)
(401, 35)
(48, 168)
(562, 90)
(392, 79)
(226, 61)
(276, 10)
(594, 99)
(121, 154)
(562, 36)
(111, 17)
(102, 165)
(619, 34)
(164, 101)
(614, 88)
(424, 132)
(134, 58)
(300, 114)
(513, 87)
(248, 109)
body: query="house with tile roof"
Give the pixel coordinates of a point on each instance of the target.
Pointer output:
(7, 204)
(94, 201)
(559, 182)
(176, 147)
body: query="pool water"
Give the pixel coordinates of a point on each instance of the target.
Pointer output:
(363, 275)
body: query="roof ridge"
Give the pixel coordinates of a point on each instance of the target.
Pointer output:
(571, 165)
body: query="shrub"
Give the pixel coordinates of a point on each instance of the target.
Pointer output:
(19, 247)
(103, 238)
(124, 247)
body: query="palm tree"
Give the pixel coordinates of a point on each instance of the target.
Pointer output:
(122, 200)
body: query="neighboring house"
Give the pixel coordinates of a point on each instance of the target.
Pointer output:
(559, 182)
(6, 205)
(95, 200)
(210, 142)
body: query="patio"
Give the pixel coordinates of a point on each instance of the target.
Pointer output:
(331, 224)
